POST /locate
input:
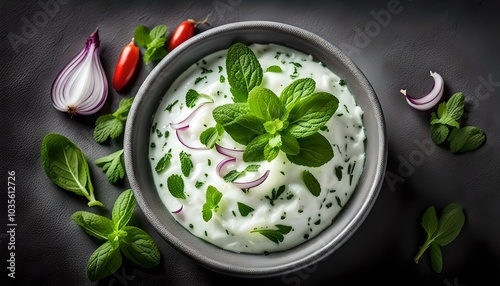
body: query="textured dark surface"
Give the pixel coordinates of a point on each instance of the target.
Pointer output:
(395, 43)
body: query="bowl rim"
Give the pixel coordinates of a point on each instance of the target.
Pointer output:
(330, 246)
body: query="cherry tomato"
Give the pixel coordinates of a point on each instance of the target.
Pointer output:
(126, 66)
(184, 31)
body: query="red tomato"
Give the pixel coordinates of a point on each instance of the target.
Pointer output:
(126, 66)
(184, 31)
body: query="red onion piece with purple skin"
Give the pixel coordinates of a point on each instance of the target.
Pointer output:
(81, 86)
(429, 100)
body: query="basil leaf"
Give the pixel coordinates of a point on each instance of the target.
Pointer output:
(103, 262)
(95, 225)
(123, 209)
(296, 91)
(315, 151)
(139, 247)
(141, 36)
(450, 224)
(243, 71)
(113, 165)
(310, 114)
(311, 183)
(66, 166)
(254, 151)
(264, 104)
(175, 185)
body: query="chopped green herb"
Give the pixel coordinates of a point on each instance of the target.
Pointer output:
(244, 209)
(338, 172)
(186, 163)
(198, 184)
(197, 80)
(205, 70)
(164, 162)
(311, 183)
(213, 198)
(171, 105)
(175, 185)
(274, 69)
(275, 194)
(342, 82)
(222, 79)
(234, 174)
(275, 235)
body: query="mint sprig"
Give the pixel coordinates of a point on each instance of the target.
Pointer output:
(112, 125)
(440, 232)
(153, 41)
(213, 198)
(244, 71)
(446, 126)
(119, 238)
(113, 165)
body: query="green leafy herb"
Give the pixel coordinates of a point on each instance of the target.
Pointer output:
(274, 69)
(243, 71)
(268, 124)
(244, 209)
(192, 95)
(186, 163)
(120, 239)
(275, 235)
(275, 194)
(210, 136)
(342, 82)
(234, 174)
(164, 162)
(113, 165)
(445, 124)
(440, 232)
(171, 105)
(311, 183)
(112, 125)
(66, 165)
(213, 198)
(175, 185)
(153, 41)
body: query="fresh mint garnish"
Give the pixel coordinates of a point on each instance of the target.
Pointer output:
(275, 235)
(186, 163)
(112, 125)
(175, 185)
(244, 209)
(440, 232)
(164, 162)
(235, 174)
(311, 183)
(213, 198)
(275, 194)
(153, 41)
(113, 165)
(210, 136)
(445, 124)
(243, 71)
(274, 69)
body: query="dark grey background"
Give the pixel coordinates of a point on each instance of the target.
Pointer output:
(395, 43)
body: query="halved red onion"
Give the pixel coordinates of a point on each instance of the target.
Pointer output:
(431, 99)
(81, 86)
(254, 183)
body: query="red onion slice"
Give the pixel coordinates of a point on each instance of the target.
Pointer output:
(184, 141)
(431, 99)
(254, 183)
(178, 210)
(188, 119)
(223, 163)
(234, 153)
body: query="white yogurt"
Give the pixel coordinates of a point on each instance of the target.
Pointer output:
(296, 207)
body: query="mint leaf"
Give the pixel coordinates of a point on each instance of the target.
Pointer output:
(164, 162)
(158, 32)
(213, 197)
(311, 183)
(315, 151)
(264, 104)
(254, 151)
(310, 114)
(289, 144)
(228, 113)
(103, 262)
(467, 138)
(191, 96)
(123, 209)
(243, 71)
(245, 128)
(436, 258)
(271, 152)
(210, 136)
(112, 125)
(175, 185)
(234, 174)
(297, 90)
(186, 163)
(275, 235)
(274, 68)
(439, 133)
(275, 194)
(113, 165)
(244, 209)
(66, 166)
(141, 36)
(139, 247)
(95, 225)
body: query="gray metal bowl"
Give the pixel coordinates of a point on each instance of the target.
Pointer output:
(136, 145)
